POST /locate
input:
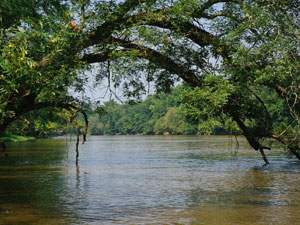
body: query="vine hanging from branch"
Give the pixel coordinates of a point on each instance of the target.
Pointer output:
(74, 115)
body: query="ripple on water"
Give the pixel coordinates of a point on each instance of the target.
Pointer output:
(148, 180)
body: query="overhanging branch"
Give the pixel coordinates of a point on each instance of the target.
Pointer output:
(154, 56)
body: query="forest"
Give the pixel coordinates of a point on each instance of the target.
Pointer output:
(239, 60)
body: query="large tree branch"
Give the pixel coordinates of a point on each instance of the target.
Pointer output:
(154, 56)
(251, 138)
(210, 3)
(160, 18)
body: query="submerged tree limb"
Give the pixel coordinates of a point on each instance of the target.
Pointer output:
(264, 155)
(77, 137)
(251, 139)
(77, 130)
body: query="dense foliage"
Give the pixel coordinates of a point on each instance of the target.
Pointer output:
(229, 52)
(32, 36)
(162, 113)
(42, 124)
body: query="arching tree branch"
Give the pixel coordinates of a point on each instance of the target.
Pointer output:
(159, 59)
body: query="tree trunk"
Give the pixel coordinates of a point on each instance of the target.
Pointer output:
(251, 138)
(2, 144)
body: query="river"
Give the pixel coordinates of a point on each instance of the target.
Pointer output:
(148, 180)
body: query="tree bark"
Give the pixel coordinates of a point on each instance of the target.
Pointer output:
(251, 138)
(2, 144)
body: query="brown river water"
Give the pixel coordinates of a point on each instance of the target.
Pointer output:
(148, 180)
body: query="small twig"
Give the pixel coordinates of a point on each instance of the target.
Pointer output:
(292, 111)
(286, 129)
(82, 19)
(287, 145)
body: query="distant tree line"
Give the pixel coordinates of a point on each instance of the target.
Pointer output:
(162, 113)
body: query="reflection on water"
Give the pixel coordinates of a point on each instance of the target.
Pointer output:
(147, 180)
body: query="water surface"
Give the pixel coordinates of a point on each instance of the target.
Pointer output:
(147, 180)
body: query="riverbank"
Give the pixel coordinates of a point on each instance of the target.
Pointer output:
(16, 138)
